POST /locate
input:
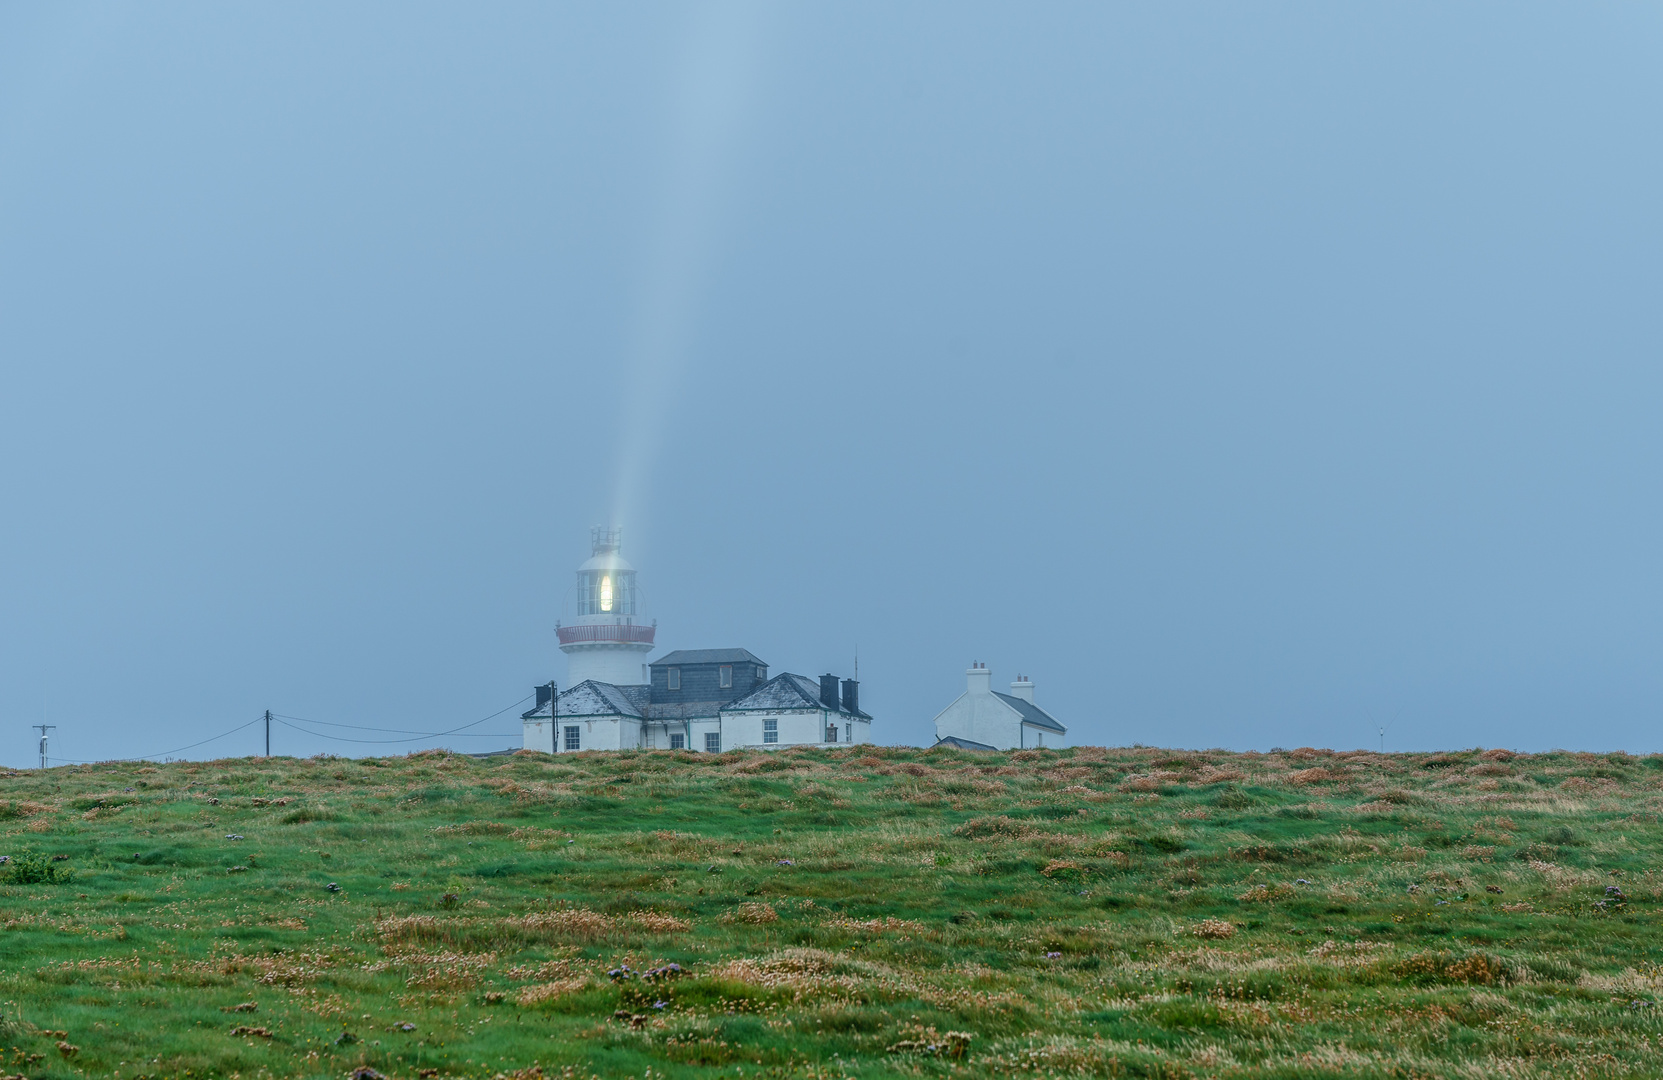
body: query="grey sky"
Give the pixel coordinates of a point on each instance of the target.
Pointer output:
(1248, 374)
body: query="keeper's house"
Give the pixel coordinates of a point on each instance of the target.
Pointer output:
(706, 700)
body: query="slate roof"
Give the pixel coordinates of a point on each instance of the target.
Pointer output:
(708, 656)
(591, 698)
(1031, 713)
(786, 691)
(963, 744)
(686, 710)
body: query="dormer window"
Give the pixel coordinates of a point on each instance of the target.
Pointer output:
(724, 676)
(761, 673)
(674, 675)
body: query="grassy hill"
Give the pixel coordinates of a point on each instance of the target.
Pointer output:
(863, 912)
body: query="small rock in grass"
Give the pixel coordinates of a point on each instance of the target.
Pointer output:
(247, 1006)
(1492, 888)
(332, 887)
(364, 1072)
(405, 1025)
(233, 836)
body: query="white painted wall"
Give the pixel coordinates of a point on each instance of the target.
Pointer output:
(608, 662)
(798, 727)
(539, 735)
(979, 716)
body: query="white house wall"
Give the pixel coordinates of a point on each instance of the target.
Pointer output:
(539, 735)
(797, 727)
(983, 718)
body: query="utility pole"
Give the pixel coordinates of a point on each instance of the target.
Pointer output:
(268, 733)
(44, 728)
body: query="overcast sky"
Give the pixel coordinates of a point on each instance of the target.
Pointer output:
(1249, 375)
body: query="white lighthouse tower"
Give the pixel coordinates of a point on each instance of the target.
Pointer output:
(606, 641)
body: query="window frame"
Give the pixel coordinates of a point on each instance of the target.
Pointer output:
(724, 676)
(831, 733)
(771, 731)
(713, 742)
(672, 678)
(678, 741)
(573, 737)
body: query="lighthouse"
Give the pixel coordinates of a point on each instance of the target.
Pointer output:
(606, 641)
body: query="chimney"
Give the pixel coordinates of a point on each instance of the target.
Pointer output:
(1023, 688)
(851, 695)
(981, 679)
(828, 691)
(544, 692)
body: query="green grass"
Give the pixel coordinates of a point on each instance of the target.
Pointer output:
(836, 913)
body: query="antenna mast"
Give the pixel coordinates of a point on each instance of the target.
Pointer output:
(44, 728)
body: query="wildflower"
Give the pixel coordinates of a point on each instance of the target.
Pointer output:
(785, 862)
(1053, 955)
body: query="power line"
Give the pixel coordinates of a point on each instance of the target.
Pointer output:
(347, 739)
(419, 735)
(268, 716)
(166, 753)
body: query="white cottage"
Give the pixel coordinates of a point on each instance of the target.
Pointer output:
(984, 719)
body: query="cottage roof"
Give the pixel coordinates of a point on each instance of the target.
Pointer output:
(708, 656)
(963, 744)
(591, 698)
(787, 691)
(1031, 713)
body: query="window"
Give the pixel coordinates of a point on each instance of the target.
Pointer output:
(713, 742)
(1042, 738)
(848, 733)
(724, 676)
(675, 678)
(770, 731)
(831, 732)
(678, 742)
(572, 737)
(761, 673)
